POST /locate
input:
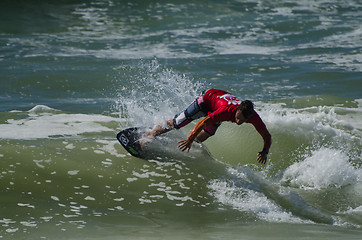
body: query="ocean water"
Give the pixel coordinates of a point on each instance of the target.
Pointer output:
(74, 73)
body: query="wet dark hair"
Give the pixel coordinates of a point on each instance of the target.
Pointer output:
(247, 108)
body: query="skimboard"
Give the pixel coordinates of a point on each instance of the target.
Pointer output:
(160, 148)
(129, 139)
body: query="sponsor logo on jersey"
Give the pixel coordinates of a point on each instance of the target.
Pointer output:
(230, 99)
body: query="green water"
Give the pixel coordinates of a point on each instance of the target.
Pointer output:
(74, 73)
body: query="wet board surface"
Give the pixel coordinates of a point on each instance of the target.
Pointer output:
(129, 139)
(162, 148)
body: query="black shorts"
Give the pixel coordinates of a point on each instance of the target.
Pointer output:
(196, 110)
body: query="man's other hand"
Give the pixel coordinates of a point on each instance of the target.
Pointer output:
(262, 156)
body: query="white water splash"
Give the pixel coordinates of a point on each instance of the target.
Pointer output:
(324, 168)
(155, 94)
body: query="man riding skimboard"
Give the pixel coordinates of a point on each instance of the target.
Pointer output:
(215, 106)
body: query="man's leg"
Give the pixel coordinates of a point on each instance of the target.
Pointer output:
(192, 112)
(161, 129)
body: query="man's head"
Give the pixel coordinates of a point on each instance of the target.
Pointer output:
(244, 111)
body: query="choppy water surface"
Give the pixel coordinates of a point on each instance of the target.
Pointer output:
(73, 73)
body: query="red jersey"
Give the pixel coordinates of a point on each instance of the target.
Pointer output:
(222, 107)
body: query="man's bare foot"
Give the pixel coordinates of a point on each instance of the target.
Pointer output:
(158, 130)
(145, 139)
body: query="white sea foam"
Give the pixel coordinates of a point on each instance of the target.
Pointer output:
(351, 62)
(109, 147)
(38, 109)
(333, 134)
(243, 195)
(234, 46)
(160, 50)
(73, 172)
(55, 198)
(341, 122)
(44, 122)
(324, 168)
(89, 198)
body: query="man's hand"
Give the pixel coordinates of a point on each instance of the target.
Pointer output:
(262, 156)
(184, 145)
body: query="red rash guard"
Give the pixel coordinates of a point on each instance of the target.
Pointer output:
(222, 107)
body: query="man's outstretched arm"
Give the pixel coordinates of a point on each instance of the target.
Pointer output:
(186, 143)
(264, 133)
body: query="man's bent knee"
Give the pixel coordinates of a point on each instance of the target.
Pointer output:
(169, 124)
